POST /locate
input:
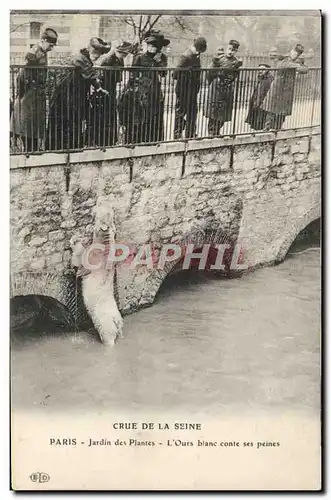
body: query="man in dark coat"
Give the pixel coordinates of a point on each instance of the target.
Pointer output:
(256, 116)
(142, 103)
(28, 119)
(188, 76)
(220, 99)
(69, 103)
(104, 107)
(278, 102)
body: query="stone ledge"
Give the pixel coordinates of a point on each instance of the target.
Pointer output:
(122, 152)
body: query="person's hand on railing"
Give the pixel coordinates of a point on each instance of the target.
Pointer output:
(103, 91)
(158, 57)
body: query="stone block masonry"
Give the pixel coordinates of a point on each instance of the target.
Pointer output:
(261, 191)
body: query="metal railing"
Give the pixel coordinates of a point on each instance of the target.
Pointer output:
(57, 58)
(53, 109)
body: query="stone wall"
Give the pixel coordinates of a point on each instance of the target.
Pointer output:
(261, 191)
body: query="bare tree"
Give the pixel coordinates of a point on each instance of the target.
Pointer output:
(141, 25)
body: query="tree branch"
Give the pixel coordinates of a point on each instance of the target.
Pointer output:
(145, 26)
(155, 21)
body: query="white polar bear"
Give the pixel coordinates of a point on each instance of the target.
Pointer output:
(98, 295)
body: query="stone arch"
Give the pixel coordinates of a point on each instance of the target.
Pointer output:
(64, 287)
(292, 232)
(198, 237)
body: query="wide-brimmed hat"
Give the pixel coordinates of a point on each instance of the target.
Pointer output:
(156, 38)
(124, 47)
(50, 36)
(100, 45)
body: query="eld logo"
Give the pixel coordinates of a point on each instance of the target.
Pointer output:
(39, 477)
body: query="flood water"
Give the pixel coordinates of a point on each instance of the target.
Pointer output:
(222, 345)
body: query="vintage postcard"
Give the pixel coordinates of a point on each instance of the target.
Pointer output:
(165, 264)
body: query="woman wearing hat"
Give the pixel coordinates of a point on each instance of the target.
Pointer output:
(221, 79)
(147, 124)
(28, 120)
(256, 116)
(105, 129)
(69, 104)
(278, 103)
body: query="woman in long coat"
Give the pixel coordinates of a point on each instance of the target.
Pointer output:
(256, 116)
(70, 102)
(278, 103)
(28, 119)
(148, 86)
(220, 98)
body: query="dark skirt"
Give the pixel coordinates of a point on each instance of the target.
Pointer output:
(256, 118)
(101, 121)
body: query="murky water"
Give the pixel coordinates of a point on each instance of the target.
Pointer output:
(221, 345)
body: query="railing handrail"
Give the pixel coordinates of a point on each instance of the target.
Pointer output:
(160, 68)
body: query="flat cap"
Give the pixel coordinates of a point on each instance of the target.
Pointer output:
(299, 48)
(50, 35)
(235, 44)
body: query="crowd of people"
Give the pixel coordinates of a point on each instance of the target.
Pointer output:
(85, 107)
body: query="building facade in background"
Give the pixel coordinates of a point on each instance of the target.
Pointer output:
(254, 33)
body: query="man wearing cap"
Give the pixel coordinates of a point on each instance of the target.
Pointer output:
(69, 105)
(141, 105)
(221, 78)
(278, 102)
(187, 76)
(256, 116)
(105, 123)
(28, 120)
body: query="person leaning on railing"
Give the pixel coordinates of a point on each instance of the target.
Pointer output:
(257, 116)
(28, 117)
(278, 102)
(69, 102)
(151, 98)
(221, 78)
(188, 81)
(104, 125)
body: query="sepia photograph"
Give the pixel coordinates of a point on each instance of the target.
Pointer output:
(165, 249)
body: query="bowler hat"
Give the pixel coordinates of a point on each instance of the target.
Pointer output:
(235, 44)
(50, 36)
(100, 45)
(200, 44)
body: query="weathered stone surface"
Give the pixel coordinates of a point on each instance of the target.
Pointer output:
(56, 235)
(238, 190)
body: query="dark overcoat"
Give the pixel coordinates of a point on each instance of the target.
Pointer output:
(188, 75)
(256, 116)
(70, 103)
(103, 111)
(142, 102)
(29, 112)
(220, 96)
(280, 97)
